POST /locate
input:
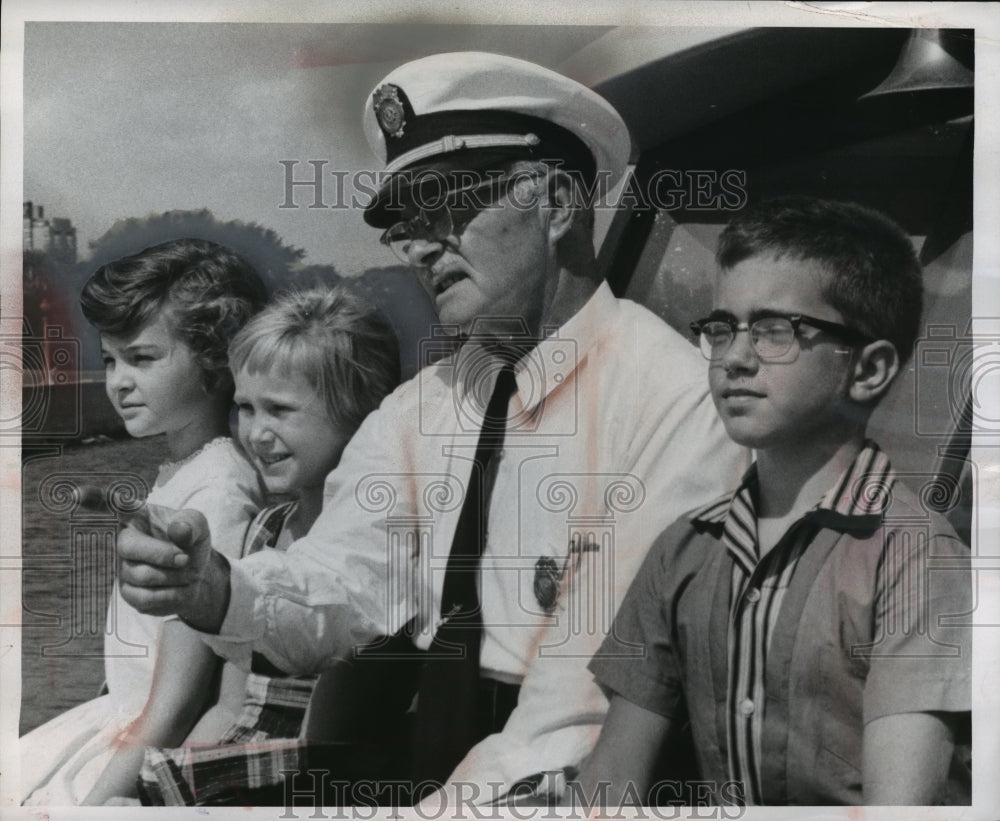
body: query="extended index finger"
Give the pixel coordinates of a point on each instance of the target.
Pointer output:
(136, 546)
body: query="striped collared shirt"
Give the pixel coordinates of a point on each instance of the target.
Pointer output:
(759, 584)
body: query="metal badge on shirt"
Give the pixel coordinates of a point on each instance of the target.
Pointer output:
(549, 575)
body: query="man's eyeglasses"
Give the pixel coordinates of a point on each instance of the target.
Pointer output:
(447, 219)
(772, 337)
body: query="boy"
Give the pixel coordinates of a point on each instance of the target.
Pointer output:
(795, 622)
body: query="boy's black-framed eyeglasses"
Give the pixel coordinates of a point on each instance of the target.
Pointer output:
(772, 337)
(447, 216)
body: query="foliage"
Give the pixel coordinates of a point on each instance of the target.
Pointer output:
(260, 246)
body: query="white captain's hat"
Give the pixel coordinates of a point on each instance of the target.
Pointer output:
(472, 111)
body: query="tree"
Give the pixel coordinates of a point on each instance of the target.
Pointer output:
(313, 276)
(260, 246)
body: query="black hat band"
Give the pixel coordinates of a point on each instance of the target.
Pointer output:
(429, 135)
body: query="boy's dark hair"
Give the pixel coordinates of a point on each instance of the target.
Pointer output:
(207, 290)
(335, 339)
(874, 281)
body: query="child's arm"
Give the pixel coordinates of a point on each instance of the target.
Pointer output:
(905, 758)
(621, 767)
(182, 685)
(221, 716)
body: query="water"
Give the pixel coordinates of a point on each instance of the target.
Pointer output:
(68, 570)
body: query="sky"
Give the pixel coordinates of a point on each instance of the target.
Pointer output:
(126, 119)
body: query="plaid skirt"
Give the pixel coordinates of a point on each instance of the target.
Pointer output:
(253, 754)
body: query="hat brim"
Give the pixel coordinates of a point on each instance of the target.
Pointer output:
(430, 182)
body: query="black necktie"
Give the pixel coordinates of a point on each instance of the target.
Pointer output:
(447, 722)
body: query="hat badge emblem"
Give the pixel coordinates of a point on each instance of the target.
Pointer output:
(389, 110)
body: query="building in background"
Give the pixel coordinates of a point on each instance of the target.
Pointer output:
(56, 237)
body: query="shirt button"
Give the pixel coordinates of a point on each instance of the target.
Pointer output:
(753, 595)
(746, 707)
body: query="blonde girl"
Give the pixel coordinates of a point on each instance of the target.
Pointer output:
(308, 370)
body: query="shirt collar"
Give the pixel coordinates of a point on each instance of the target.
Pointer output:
(552, 361)
(857, 500)
(716, 511)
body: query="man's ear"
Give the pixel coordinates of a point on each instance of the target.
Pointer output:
(876, 366)
(559, 206)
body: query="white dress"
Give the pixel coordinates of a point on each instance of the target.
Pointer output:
(62, 759)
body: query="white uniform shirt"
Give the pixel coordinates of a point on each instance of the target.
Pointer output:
(612, 436)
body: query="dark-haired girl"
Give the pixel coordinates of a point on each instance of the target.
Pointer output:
(166, 317)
